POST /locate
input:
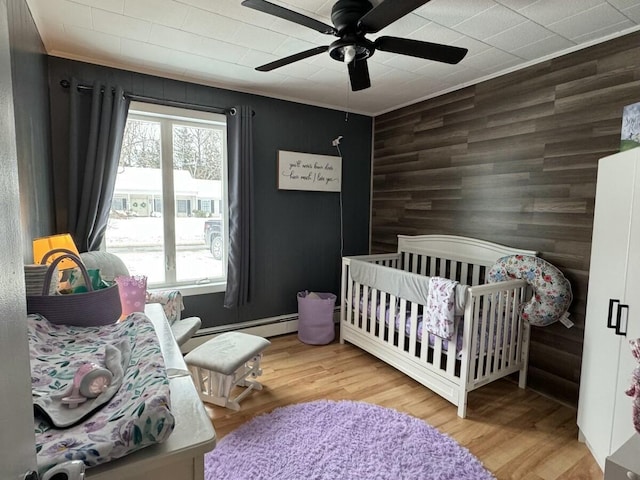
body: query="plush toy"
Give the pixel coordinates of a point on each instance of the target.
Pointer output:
(89, 381)
(634, 389)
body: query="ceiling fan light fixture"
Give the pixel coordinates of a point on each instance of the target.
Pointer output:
(349, 53)
(351, 48)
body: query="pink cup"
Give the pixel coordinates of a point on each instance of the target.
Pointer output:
(133, 291)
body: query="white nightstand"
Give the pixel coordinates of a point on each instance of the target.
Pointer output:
(624, 464)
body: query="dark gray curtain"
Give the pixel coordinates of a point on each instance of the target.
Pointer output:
(96, 129)
(240, 161)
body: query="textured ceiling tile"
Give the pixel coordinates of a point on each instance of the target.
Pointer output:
(291, 46)
(120, 25)
(432, 32)
(543, 47)
(624, 4)
(609, 29)
(116, 6)
(546, 12)
(453, 12)
(298, 31)
(516, 4)
(259, 38)
(146, 53)
(404, 62)
(174, 38)
(100, 44)
(213, 48)
(519, 36)
(164, 12)
(490, 22)
(474, 46)
(633, 13)
(298, 70)
(596, 18)
(61, 12)
(210, 25)
(404, 26)
(492, 60)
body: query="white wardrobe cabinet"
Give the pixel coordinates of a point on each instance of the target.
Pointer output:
(613, 307)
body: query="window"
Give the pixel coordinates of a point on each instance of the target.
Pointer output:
(172, 172)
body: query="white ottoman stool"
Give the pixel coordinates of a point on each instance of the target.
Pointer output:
(224, 362)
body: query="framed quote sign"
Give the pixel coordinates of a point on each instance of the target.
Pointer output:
(304, 171)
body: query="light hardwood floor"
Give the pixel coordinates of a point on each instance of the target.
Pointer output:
(516, 433)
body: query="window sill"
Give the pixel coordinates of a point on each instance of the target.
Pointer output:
(189, 290)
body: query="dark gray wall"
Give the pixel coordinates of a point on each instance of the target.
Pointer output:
(297, 234)
(31, 96)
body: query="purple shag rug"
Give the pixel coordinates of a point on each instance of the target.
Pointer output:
(340, 440)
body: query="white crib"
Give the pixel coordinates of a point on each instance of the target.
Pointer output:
(500, 345)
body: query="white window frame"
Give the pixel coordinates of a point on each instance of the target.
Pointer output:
(168, 116)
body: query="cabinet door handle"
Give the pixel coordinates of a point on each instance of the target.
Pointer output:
(610, 317)
(619, 323)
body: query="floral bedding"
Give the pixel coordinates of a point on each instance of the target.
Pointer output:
(138, 415)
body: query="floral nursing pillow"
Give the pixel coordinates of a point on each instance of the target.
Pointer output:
(551, 290)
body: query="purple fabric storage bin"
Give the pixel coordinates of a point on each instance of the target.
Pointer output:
(315, 317)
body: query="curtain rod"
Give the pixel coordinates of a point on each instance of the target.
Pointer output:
(158, 101)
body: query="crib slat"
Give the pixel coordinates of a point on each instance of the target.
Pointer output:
(402, 322)
(381, 314)
(495, 321)
(483, 338)
(505, 360)
(442, 272)
(423, 337)
(464, 272)
(371, 312)
(356, 301)
(474, 356)
(432, 266)
(520, 327)
(349, 301)
(393, 313)
(437, 352)
(452, 350)
(414, 263)
(475, 275)
(423, 265)
(413, 328)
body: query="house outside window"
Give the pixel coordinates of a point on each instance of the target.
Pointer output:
(173, 162)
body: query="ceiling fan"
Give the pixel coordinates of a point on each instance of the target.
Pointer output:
(352, 20)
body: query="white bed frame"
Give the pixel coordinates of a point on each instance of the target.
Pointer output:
(459, 258)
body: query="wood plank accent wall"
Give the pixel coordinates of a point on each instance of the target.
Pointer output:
(512, 160)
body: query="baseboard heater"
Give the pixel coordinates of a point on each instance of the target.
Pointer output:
(264, 327)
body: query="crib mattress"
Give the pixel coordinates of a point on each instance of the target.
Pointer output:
(139, 413)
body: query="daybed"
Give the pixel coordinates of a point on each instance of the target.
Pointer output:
(157, 401)
(383, 308)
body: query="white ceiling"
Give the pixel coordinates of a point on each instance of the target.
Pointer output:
(220, 42)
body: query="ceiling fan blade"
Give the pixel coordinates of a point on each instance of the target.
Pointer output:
(290, 15)
(359, 75)
(416, 48)
(387, 12)
(290, 59)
